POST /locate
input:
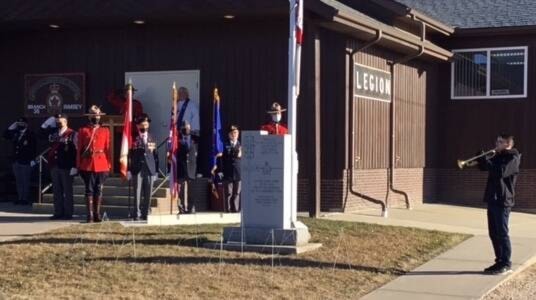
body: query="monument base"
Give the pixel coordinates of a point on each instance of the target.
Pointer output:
(282, 250)
(267, 240)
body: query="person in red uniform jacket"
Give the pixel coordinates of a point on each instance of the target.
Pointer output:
(118, 99)
(94, 161)
(275, 126)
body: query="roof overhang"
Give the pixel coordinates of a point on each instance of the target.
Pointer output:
(339, 17)
(410, 14)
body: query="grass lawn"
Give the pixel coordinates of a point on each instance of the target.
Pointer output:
(109, 261)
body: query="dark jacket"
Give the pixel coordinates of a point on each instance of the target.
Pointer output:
(143, 155)
(230, 162)
(62, 153)
(24, 147)
(503, 170)
(187, 158)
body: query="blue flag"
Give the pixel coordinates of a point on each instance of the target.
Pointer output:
(217, 142)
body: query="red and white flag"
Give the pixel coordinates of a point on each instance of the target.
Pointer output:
(126, 141)
(296, 41)
(173, 145)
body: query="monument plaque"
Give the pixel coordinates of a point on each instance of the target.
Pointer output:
(266, 180)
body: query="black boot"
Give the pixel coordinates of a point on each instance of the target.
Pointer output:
(89, 206)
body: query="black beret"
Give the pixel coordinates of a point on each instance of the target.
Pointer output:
(143, 118)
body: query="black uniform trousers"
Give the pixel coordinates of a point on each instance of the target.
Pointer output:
(498, 217)
(62, 187)
(143, 183)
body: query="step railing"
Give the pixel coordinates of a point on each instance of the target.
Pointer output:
(159, 171)
(41, 159)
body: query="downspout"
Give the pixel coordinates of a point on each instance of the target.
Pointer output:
(351, 173)
(393, 157)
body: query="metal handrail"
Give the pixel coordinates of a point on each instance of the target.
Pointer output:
(166, 177)
(41, 158)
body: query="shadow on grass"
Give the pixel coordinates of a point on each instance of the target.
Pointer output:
(267, 261)
(187, 242)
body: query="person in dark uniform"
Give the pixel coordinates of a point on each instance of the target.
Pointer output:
(275, 126)
(24, 153)
(230, 170)
(143, 167)
(93, 160)
(62, 163)
(503, 169)
(186, 166)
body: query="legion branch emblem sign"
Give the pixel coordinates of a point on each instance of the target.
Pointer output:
(48, 94)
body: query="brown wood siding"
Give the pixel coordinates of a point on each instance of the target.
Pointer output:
(414, 111)
(467, 126)
(248, 62)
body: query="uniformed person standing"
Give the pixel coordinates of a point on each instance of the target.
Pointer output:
(24, 152)
(93, 161)
(275, 126)
(62, 163)
(186, 166)
(143, 167)
(230, 170)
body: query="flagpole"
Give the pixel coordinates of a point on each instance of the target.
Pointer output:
(172, 170)
(129, 99)
(296, 7)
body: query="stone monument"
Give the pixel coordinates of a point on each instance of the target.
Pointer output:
(268, 222)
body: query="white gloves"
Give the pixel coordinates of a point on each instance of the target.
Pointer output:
(50, 122)
(73, 172)
(220, 174)
(13, 126)
(129, 175)
(33, 163)
(154, 177)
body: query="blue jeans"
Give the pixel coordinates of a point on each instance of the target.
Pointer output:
(498, 232)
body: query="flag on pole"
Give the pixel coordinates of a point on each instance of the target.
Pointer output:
(173, 144)
(217, 142)
(298, 23)
(126, 141)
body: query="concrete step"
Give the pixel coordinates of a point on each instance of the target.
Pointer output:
(112, 181)
(120, 191)
(109, 200)
(79, 209)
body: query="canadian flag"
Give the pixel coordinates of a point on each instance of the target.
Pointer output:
(126, 141)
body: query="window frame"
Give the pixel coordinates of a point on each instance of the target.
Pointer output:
(488, 74)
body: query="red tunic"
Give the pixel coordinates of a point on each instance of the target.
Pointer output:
(275, 128)
(97, 158)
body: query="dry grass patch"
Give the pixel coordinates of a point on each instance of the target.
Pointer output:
(108, 260)
(522, 286)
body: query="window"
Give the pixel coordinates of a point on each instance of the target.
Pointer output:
(489, 73)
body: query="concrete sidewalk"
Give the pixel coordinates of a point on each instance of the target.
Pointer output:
(19, 222)
(457, 273)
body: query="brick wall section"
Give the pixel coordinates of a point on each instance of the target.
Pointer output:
(422, 185)
(418, 183)
(467, 187)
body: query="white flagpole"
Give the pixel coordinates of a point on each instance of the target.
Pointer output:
(296, 7)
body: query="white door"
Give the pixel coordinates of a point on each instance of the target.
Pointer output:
(154, 92)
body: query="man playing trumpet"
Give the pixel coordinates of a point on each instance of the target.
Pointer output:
(503, 169)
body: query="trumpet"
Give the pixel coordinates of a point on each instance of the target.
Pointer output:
(472, 161)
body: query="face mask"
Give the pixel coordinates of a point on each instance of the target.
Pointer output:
(94, 121)
(143, 130)
(185, 131)
(276, 118)
(59, 125)
(21, 127)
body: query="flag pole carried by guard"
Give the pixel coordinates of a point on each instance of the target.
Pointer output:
(173, 144)
(126, 141)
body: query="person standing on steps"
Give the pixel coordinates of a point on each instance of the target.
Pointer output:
(93, 159)
(143, 167)
(62, 163)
